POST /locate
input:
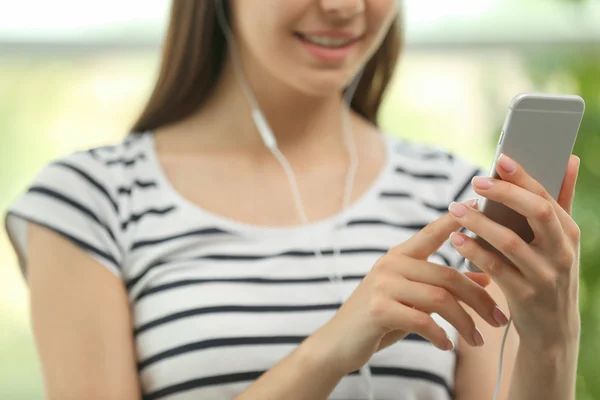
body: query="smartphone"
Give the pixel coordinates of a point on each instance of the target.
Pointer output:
(539, 133)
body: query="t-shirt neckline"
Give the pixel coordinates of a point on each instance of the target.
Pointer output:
(235, 226)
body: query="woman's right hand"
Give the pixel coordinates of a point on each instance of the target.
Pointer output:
(397, 297)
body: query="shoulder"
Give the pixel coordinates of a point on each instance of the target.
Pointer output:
(123, 159)
(419, 152)
(83, 197)
(95, 175)
(100, 172)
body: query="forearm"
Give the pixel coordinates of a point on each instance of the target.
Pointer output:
(547, 374)
(307, 373)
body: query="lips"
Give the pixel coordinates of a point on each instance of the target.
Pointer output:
(328, 41)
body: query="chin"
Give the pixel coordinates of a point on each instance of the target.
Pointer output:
(321, 84)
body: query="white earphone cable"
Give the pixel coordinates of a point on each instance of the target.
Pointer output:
(237, 64)
(501, 358)
(271, 143)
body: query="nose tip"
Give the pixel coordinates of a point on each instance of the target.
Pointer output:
(343, 8)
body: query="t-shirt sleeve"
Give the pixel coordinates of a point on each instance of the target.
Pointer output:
(73, 197)
(461, 172)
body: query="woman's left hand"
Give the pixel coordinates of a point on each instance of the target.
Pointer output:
(542, 284)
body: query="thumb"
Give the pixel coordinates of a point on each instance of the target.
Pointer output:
(479, 278)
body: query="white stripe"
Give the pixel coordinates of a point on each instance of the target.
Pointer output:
(248, 240)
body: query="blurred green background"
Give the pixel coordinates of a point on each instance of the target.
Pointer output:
(69, 82)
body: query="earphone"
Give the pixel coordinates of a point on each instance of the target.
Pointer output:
(270, 142)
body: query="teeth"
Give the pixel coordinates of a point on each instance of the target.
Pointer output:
(327, 41)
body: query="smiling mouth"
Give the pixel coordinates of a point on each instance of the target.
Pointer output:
(327, 41)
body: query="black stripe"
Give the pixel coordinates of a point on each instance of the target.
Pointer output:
(222, 342)
(396, 194)
(152, 211)
(251, 257)
(423, 175)
(254, 375)
(199, 232)
(416, 338)
(244, 257)
(443, 257)
(126, 143)
(414, 227)
(86, 211)
(235, 341)
(132, 138)
(259, 281)
(250, 280)
(78, 242)
(110, 148)
(233, 309)
(436, 155)
(202, 382)
(138, 184)
(440, 209)
(431, 156)
(292, 253)
(91, 180)
(408, 195)
(413, 373)
(126, 162)
(93, 153)
(465, 187)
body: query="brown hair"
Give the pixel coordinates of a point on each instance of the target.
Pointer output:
(194, 54)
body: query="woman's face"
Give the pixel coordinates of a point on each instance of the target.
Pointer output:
(315, 46)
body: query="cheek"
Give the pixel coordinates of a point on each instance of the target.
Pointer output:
(380, 15)
(383, 7)
(267, 15)
(264, 24)
(379, 18)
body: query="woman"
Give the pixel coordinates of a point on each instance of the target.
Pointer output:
(187, 234)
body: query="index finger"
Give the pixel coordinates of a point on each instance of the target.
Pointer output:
(520, 177)
(426, 241)
(460, 286)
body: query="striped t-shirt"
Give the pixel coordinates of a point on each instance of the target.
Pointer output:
(217, 302)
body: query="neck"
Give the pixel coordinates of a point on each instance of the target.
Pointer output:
(298, 121)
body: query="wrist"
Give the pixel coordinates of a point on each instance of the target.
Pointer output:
(556, 353)
(562, 342)
(318, 353)
(564, 336)
(548, 373)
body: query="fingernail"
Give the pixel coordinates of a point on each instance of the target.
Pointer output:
(456, 239)
(499, 316)
(449, 344)
(507, 164)
(478, 338)
(470, 202)
(481, 182)
(457, 209)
